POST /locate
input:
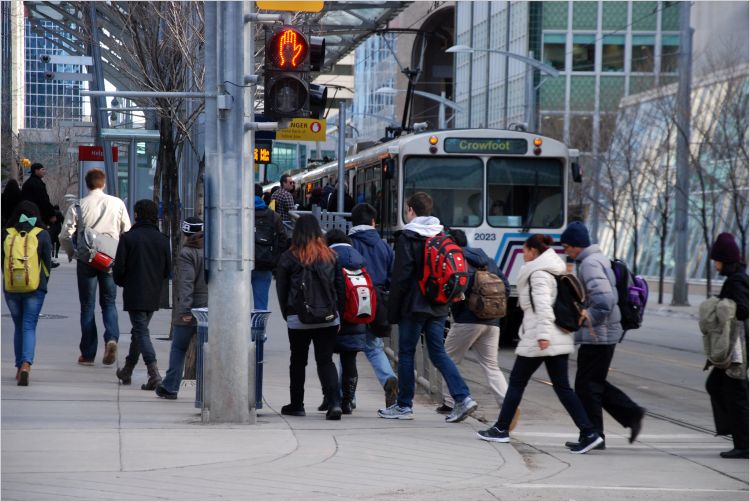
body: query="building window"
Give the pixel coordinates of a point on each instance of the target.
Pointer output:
(554, 50)
(584, 52)
(643, 54)
(670, 50)
(613, 53)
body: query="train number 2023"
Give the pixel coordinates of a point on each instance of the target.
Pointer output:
(479, 236)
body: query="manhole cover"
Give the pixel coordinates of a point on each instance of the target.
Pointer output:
(46, 316)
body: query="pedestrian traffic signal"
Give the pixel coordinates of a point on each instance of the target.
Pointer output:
(290, 57)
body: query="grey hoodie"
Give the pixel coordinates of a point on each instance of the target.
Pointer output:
(598, 278)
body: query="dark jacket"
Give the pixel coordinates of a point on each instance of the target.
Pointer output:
(476, 258)
(35, 191)
(143, 262)
(333, 202)
(43, 249)
(263, 217)
(289, 270)
(352, 336)
(377, 253)
(192, 291)
(10, 199)
(405, 298)
(735, 288)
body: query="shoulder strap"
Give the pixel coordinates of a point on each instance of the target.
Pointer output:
(531, 292)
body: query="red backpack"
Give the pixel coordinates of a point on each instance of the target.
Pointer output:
(360, 301)
(446, 274)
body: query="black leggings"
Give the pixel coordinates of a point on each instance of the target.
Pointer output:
(348, 365)
(323, 340)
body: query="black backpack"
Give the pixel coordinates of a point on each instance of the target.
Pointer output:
(267, 243)
(568, 303)
(315, 302)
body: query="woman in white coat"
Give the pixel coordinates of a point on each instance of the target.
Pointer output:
(541, 341)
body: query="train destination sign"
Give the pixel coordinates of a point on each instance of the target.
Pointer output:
(486, 145)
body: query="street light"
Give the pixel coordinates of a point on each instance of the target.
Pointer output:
(440, 99)
(529, 61)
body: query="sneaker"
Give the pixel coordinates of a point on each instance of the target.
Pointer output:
(110, 353)
(391, 391)
(461, 410)
(733, 453)
(288, 409)
(85, 362)
(164, 393)
(635, 429)
(55, 264)
(588, 443)
(494, 435)
(574, 444)
(396, 412)
(444, 409)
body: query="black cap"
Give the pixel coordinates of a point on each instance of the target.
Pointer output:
(191, 225)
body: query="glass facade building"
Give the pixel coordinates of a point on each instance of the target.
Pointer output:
(48, 101)
(375, 67)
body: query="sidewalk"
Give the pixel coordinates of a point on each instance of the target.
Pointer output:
(76, 434)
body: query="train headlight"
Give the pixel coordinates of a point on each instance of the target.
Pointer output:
(433, 140)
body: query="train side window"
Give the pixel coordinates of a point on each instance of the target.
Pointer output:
(454, 183)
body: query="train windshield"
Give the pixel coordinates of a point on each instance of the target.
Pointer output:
(525, 192)
(454, 183)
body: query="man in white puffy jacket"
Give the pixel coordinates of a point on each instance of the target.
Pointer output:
(598, 348)
(107, 215)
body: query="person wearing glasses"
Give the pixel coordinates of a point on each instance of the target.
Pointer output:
(284, 200)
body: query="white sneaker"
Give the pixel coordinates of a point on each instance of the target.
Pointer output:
(462, 410)
(396, 412)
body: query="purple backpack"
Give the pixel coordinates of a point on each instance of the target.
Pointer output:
(632, 296)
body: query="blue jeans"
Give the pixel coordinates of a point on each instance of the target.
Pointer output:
(24, 309)
(409, 330)
(378, 360)
(557, 368)
(88, 278)
(261, 282)
(181, 336)
(140, 339)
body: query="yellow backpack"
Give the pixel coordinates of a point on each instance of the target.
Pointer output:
(22, 267)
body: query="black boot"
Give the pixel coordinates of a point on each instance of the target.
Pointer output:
(334, 410)
(154, 378)
(348, 388)
(125, 373)
(324, 405)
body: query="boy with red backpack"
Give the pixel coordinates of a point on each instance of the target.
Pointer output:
(419, 300)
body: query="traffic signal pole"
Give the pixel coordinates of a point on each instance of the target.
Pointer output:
(229, 215)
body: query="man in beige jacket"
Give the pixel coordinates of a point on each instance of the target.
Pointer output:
(107, 215)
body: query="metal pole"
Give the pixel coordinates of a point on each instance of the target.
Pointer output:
(342, 156)
(530, 98)
(148, 94)
(507, 64)
(132, 163)
(441, 112)
(680, 291)
(229, 261)
(99, 103)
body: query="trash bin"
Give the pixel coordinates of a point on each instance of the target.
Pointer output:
(201, 315)
(258, 319)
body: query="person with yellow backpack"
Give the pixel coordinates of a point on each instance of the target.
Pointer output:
(27, 259)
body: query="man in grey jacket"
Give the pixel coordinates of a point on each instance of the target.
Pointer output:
(597, 348)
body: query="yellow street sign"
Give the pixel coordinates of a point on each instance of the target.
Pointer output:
(292, 6)
(303, 130)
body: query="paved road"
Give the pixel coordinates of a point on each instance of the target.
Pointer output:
(76, 434)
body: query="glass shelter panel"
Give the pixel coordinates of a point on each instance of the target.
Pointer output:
(454, 183)
(525, 192)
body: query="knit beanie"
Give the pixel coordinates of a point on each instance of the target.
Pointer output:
(576, 234)
(725, 249)
(192, 225)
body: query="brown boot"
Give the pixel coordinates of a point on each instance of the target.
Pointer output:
(110, 353)
(23, 374)
(125, 373)
(154, 378)
(18, 373)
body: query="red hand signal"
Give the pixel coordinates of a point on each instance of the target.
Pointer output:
(290, 50)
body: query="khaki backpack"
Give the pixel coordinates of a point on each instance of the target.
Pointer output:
(22, 267)
(487, 298)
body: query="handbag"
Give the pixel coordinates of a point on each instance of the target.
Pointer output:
(93, 248)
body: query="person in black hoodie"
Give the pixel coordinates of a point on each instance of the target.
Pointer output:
(470, 332)
(11, 197)
(414, 314)
(143, 262)
(35, 191)
(351, 337)
(729, 395)
(270, 242)
(323, 297)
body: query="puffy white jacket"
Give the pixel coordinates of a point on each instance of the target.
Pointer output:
(539, 322)
(101, 212)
